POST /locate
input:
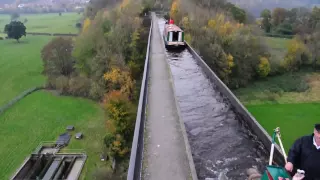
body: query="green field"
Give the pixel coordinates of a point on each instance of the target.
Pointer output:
(42, 116)
(278, 48)
(277, 43)
(294, 120)
(20, 66)
(46, 23)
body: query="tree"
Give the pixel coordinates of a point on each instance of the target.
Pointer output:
(217, 59)
(296, 56)
(264, 67)
(237, 13)
(313, 44)
(57, 59)
(120, 123)
(266, 24)
(175, 10)
(285, 28)
(315, 18)
(278, 16)
(15, 30)
(299, 20)
(14, 16)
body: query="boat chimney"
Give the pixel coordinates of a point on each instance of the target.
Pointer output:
(171, 21)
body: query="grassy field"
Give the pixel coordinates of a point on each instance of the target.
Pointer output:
(20, 66)
(294, 120)
(277, 43)
(42, 116)
(287, 101)
(46, 23)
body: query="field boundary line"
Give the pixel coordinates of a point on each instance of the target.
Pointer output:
(48, 34)
(19, 97)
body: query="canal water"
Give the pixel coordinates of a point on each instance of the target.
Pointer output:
(219, 142)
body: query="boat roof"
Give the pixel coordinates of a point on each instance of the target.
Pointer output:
(173, 27)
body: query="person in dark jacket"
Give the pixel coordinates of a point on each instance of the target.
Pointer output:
(305, 155)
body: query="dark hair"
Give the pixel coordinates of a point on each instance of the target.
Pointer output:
(317, 127)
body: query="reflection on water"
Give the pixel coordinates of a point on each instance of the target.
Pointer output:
(219, 143)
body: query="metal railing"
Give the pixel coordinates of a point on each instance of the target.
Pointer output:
(135, 164)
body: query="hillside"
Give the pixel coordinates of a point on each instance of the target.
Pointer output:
(256, 6)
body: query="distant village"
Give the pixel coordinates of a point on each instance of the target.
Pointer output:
(44, 6)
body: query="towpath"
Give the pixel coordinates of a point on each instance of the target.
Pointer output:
(165, 155)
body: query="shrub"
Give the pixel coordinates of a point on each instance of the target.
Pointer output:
(290, 82)
(116, 145)
(263, 67)
(78, 25)
(62, 84)
(79, 86)
(97, 90)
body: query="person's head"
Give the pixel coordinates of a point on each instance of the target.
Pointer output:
(317, 132)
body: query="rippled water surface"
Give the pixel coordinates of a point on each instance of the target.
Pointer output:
(219, 142)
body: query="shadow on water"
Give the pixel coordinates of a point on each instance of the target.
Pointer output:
(218, 141)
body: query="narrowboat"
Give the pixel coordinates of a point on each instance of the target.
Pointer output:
(173, 35)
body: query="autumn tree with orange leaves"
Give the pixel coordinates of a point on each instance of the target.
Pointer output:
(120, 123)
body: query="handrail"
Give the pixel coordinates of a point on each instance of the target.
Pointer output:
(135, 164)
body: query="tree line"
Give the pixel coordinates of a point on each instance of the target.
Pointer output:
(304, 24)
(104, 63)
(290, 21)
